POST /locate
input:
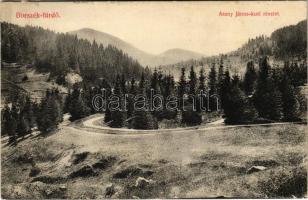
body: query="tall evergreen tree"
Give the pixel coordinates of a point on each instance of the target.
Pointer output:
(201, 87)
(181, 87)
(28, 109)
(25, 118)
(14, 122)
(23, 125)
(267, 98)
(132, 91)
(250, 78)
(275, 103)
(118, 116)
(155, 82)
(220, 77)
(141, 86)
(225, 88)
(201, 80)
(5, 119)
(9, 123)
(237, 107)
(212, 87)
(123, 84)
(67, 102)
(192, 81)
(78, 108)
(290, 104)
(107, 117)
(191, 114)
(142, 118)
(261, 96)
(49, 115)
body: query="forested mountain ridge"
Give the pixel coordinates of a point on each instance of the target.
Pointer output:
(107, 39)
(287, 43)
(170, 56)
(59, 53)
(284, 43)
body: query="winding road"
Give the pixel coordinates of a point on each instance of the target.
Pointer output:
(91, 123)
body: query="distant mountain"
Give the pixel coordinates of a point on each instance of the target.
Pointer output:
(107, 39)
(146, 59)
(178, 55)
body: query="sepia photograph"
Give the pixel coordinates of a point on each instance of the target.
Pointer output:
(154, 100)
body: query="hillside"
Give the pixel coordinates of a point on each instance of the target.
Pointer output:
(146, 59)
(75, 162)
(22, 79)
(59, 54)
(106, 39)
(176, 55)
(287, 43)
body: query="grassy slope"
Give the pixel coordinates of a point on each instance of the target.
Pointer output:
(183, 164)
(37, 83)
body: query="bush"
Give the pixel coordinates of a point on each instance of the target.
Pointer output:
(144, 120)
(191, 117)
(285, 183)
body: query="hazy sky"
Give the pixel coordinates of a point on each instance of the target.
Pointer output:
(157, 26)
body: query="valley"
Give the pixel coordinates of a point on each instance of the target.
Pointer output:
(247, 141)
(146, 59)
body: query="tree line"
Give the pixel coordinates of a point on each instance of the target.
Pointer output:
(59, 53)
(265, 93)
(19, 117)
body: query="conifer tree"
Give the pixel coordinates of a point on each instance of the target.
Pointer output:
(48, 116)
(142, 118)
(154, 82)
(29, 111)
(59, 105)
(67, 102)
(192, 81)
(23, 126)
(107, 117)
(191, 114)
(225, 88)
(141, 86)
(212, 87)
(250, 78)
(118, 116)
(201, 80)
(132, 91)
(220, 78)
(9, 123)
(201, 87)
(275, 103)
(13, 125)
(290, 104)
(181, 87)
(261, 96)
(5, 119)
(78, 108)
(237, 107)
(123, 84)
(267, 98)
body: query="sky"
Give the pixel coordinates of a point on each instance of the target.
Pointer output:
(158, 26)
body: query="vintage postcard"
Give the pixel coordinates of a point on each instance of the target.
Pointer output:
(153, 100)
